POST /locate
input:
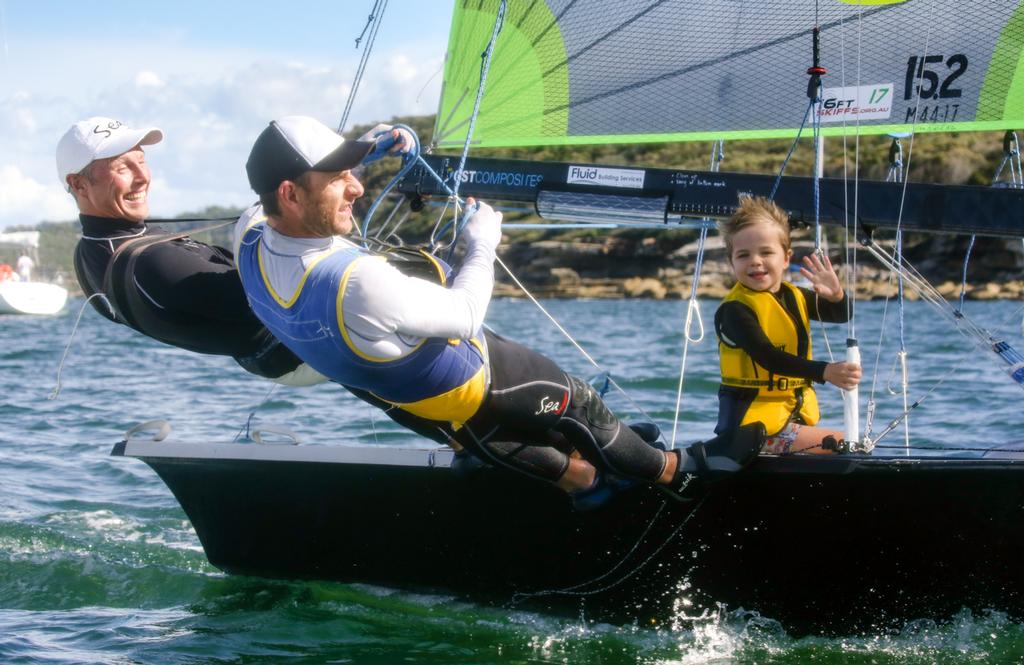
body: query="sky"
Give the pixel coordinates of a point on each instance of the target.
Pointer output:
(211, 74)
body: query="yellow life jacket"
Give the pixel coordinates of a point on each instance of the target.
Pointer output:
(780, 399)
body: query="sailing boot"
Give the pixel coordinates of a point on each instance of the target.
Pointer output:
(706, 461)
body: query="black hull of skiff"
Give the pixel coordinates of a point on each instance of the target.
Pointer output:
(832, 545)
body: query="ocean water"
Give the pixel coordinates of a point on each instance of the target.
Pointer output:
(98, 564)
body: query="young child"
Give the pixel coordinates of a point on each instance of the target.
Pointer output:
(764, 333)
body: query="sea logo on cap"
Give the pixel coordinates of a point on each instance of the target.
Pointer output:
(111, 126)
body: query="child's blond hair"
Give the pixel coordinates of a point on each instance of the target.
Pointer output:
(755, 210)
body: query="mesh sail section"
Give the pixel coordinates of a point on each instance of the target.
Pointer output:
(591, 208)
(607, 71)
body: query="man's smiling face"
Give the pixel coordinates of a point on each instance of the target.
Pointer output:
(115, 187)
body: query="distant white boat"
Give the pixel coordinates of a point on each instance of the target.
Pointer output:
(31, 297)
(27, 297)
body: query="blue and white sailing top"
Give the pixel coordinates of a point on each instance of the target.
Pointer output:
(355, 318)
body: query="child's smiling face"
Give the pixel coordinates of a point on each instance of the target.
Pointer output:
(759, 259)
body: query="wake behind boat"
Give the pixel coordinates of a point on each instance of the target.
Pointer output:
(822, 544)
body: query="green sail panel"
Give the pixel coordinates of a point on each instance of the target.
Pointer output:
(606, 71)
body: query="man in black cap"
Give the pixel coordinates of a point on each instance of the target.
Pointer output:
(419, 345)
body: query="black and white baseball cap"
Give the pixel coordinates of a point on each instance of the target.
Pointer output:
(98, 138)
(293, 145)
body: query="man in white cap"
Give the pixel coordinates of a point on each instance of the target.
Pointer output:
(173, 289)
(420, 345)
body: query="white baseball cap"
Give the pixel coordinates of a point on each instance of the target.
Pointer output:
(98, 138)
(289, 147)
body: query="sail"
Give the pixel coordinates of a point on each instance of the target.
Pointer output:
(607, 71)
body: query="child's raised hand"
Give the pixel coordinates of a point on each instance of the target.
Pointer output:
(823, 277)
(843, 375)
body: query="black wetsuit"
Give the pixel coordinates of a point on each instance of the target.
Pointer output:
(194, 300)
(738, 323)
(534, 415)
(181, 292)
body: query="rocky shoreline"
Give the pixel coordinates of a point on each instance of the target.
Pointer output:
(617, 267)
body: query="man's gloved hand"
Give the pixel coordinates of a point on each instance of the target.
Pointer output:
(389, 140)
(482, 224)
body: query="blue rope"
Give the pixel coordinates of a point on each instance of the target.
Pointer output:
(485, 66)
(411, 160)
(785, 162)
(414, 157)
(1012, 358)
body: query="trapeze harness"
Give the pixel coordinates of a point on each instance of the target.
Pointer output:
(247, 341)
(438, 379)
(779, 399)
(507, 403)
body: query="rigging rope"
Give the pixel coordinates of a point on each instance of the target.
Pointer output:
(575, 590)
(485, 66)
(1011, 157)
(693, 306)
(71, 338)
(961, 322)
(789, 155)
(414, 158)
(1010, 149)
(815, 71)
(902, 353)
(373, 23)
(411, 160)
(894, 174)
(569, 337)
(246, 429)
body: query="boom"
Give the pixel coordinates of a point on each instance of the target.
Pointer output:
(675, 197)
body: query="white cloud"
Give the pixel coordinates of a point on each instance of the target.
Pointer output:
(25, 200)
(209, 116)
(147, 79)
